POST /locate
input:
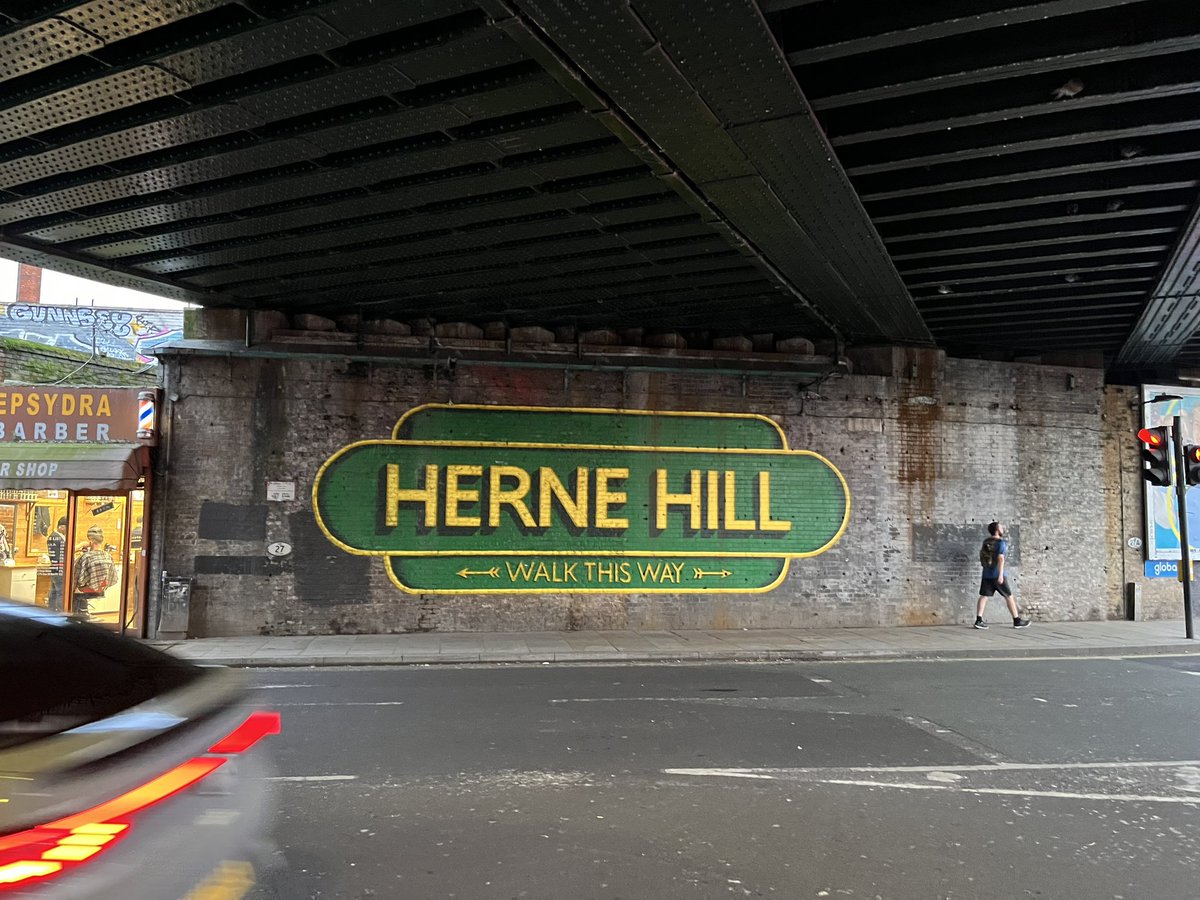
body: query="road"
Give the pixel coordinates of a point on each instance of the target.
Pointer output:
(965, 779)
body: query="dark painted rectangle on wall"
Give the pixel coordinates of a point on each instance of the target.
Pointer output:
(233, 521)
(946, 542)
(237, 565)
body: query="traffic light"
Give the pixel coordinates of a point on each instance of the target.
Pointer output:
(1154, 452)
(1191, 463)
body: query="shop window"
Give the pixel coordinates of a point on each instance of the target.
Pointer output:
(99, 563)
(44, 536)
(8, 531)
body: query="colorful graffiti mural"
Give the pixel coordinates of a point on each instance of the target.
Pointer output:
(128, 334)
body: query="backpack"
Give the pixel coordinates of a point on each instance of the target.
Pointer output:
(987, 553)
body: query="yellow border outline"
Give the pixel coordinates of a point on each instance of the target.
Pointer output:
(540, 446)
(595, 409)
(787, 562)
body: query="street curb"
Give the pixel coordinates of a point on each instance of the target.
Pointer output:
(652, 656)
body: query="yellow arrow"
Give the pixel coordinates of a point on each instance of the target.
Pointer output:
(700, 573)
(464, 573)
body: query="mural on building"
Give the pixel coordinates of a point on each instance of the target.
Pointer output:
(127, 334)
(1162, 521)
(496, 499)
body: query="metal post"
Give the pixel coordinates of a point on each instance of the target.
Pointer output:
(1185, 563)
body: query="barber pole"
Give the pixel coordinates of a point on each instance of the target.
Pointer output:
(145, 414)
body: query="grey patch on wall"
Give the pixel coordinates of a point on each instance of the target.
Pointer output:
(326, 575)
(947, 542)
(237, 565)
(233, 521)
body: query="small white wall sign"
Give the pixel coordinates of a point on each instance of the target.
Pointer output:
(281, 490)
(279, 548)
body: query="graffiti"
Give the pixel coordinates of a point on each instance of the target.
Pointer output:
(116, 333)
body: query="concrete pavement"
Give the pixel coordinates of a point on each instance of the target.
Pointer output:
(1051, 639)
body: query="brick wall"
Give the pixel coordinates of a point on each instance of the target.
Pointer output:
(24, 362)
(933, 450)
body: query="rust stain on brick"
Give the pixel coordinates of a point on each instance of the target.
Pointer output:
(918, 419)
(721, 620)
(917, 615)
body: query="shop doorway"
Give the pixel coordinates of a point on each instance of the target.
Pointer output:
(44, 537)
(135, 558)
(99, 559)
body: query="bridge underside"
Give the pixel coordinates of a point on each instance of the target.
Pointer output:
(998, 178)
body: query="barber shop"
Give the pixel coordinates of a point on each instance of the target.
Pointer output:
(75, 472)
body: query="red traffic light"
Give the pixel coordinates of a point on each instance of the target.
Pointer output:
(1153, 437)
(1191, 464)
(1154, 453)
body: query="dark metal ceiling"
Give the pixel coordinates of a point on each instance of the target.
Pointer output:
(1002, 178)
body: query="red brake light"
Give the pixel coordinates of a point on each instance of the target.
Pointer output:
(148, 794)
(249, 733)
(48, 850)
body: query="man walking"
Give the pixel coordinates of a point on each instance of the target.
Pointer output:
(56, 550)
(94, 573)
(992, 557)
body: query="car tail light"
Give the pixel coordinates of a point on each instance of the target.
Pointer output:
(56, 847)
(249, 733)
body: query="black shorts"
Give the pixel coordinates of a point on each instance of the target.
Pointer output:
(989, 586)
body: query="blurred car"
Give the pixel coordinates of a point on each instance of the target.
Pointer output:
(124, 772)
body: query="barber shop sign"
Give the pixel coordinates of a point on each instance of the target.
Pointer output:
(501, 499)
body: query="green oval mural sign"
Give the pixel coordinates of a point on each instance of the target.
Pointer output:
(503, 499)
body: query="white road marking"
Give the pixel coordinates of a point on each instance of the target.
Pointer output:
(312, 778)
(978, 767)
(1068, 795)
(865, 783)
(724, 698)
(1115, 654)
(1015, 792)
(943, 771)
(267, 687)
(1002, 767)
(949, 777)
(340, 703)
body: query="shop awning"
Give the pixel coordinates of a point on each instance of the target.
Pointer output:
(72, 467)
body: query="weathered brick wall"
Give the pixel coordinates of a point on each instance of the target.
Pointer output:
(24, 362)
(931, 454)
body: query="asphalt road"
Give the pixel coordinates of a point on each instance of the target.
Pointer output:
(1049, 778)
